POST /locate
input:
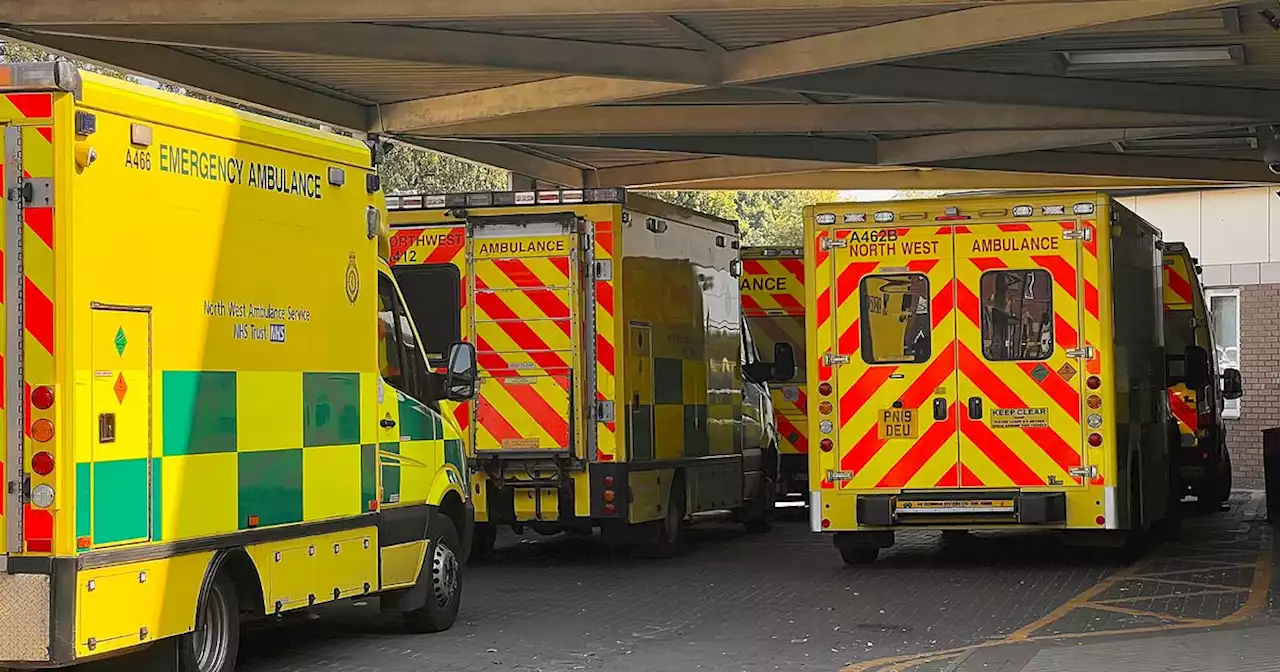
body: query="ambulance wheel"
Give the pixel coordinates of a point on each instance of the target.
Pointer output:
(667, 544)
(214, 644)
(445, 582)
(762, 510)
(860, 555)
(1216, 489)
(482, 541)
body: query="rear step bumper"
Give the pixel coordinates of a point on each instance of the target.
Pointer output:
(1023, 508)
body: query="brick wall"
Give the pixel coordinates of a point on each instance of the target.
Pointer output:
(1260, 367)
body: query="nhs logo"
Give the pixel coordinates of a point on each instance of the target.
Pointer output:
(277, 333)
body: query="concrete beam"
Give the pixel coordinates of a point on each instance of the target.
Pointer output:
(939, 34)
(26, 12)
(205, 75)
(944, 146)
(639, 119)
(524, 163)
(764, 146)
(423, 45)
(1063, 92)
(926, 179)
(511, 100)
(1123, 165)
(692, 171)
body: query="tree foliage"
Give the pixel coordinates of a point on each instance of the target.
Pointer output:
(767, 217)
(412, 169)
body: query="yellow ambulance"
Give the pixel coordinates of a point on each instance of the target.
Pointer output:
(214, 404)
(1203, 462)
(619, 388)
(988, 362)
(773, 302)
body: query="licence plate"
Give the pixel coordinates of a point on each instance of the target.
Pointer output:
(898, 423)
(955, 506)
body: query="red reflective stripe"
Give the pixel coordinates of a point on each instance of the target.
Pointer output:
(968, 479)
(1014, 227)
(515, 328)
(604, 296)
(824, 307)
(921, 452)
(1179, 285)
(604, 237)
(1185, 412)
(41, 222)
(789, 303)
(1063, 333)
(862, 389)
(795, 267)
(968, 303)
(562, 265)
(958, 475)
(1003, 397)
(998, 452)
(786, 429)
(493, 422)
(1067, 397)
(1063, 274)
(754, 267)
(962, 229)
(848, 281)
(751, 307)
(400, 241)
(922, 265)
(988, 263)
(38, 314)
(862, 451)
(605, 353)
(32, 105)
(943, 303)
(820, 255)
(462, 414)
(1091, 298)
(552, 421)
(447, 251)
(851, 339)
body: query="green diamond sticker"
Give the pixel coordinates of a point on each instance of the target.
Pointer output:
(121, 341)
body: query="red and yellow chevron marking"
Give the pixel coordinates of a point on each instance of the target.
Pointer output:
(1182, 402)
(524, 329)
(606, 356)
(1179, 293)
(987, 456)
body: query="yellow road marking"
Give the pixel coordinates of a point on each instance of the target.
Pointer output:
(1257, 599)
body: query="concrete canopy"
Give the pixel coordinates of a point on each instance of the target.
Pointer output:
(829, 94)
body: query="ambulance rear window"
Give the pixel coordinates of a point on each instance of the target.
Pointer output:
(432, 293)
(896, 327)
(1017, 315)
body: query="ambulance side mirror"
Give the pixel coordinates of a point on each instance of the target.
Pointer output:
(784, 362)
(460, 379)
(1232, 384)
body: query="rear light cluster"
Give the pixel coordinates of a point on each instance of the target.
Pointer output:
(610, 496)
(1094, 402)
(825, 425)
(38, 518)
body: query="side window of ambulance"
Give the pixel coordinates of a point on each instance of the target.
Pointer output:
(896, 327)
(1017, 315)
(399, 358)
(433, 294)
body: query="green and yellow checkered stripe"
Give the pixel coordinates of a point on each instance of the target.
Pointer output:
(236, 450)
(683, 423)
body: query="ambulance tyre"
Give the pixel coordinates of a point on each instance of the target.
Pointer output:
(667, 530)
(482, 541)
(444, 594)
(214, 644)
(762, 509)
(1216, 488)
(860, 555)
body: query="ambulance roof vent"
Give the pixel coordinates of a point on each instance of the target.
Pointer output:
(48, 76)
(493, 199)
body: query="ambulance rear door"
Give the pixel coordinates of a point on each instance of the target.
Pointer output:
(1021, 299)
(894, 360)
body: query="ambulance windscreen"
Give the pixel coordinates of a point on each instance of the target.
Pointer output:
(1017, 315)
(896, 327)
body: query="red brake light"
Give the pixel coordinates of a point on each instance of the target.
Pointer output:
(1095, 440)
(827, 445)
(824, 389)
(1094, 382)
(42, 463)
(608, 481)
(42, 397)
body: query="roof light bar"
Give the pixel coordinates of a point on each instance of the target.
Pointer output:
(48, 76)
(855, 218)
(1168, 57)
(485, 199)
(825, 218)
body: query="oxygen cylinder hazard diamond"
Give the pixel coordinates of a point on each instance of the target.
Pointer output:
(1040, 372)
(120, 341)
(120, 388)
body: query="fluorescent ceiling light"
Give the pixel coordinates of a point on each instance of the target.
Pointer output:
(1171, 57)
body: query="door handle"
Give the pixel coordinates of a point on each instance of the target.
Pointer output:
(939, 408)
(386, 423)
(975, 408)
